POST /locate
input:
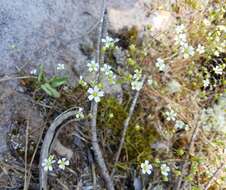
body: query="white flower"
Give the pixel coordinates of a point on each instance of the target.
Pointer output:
(33, 72)
(160, 64)
(165, 170)
(79, 114)
(200, 49)
(206, 22)
(93, 66)
(146, 167)
(218, 70)
(136, 85)
(181, 125)
(48, 163)
(95, 94)
(206, 83)
(187, 51)
(60, 66)
(108, 42)
(180, 29)
(106, 69)
(82, 82)
(62, 163)
(170, 115)
(150, 81)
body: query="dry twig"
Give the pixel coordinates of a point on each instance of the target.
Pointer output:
(216, 173)
(94, 107)
(126, 125)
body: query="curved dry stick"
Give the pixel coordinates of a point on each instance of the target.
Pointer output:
(48, 140)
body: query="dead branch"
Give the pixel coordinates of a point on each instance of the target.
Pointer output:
(48, 140)
(94, 107)
(126, 125)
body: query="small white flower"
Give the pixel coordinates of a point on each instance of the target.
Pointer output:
(62, 163)
(170, 115)
(95, 94)
(206, 22)
(218, 70)
(200, 49)
(206, 83)
(79, 114)
(146, 167)
(111, 78)
(106, 69)
(33, 72)
(187, 51)
(180, 29)
(150, 81)
(93, 66)
(136, 85)
(48, 163)
(165, 170)
(137, 75)
(160, 64)
(60, 66)
(82, 82)
(181, 125)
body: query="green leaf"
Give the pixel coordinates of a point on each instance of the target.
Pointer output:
(58, 81)
(50, 90)
(41, 76)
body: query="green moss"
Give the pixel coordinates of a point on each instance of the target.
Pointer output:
(139, 137)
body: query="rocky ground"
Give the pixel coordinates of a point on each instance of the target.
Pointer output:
(61, 33)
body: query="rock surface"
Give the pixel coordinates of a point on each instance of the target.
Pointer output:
(140, 14)
(34, 32)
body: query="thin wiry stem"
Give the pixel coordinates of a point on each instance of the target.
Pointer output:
(126, 125)
(94, 107)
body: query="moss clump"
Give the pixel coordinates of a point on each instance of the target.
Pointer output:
(111, 116)
(140, 134)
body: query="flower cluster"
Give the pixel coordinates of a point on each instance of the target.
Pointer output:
(93, 66)
(219, 69)
(181, 125)
(171, 115)
(216, 40)
(136, 80)
(107, 71)
(109, 42)
(181, 39)
(147, 168)
(48, 163)
(165, 170)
